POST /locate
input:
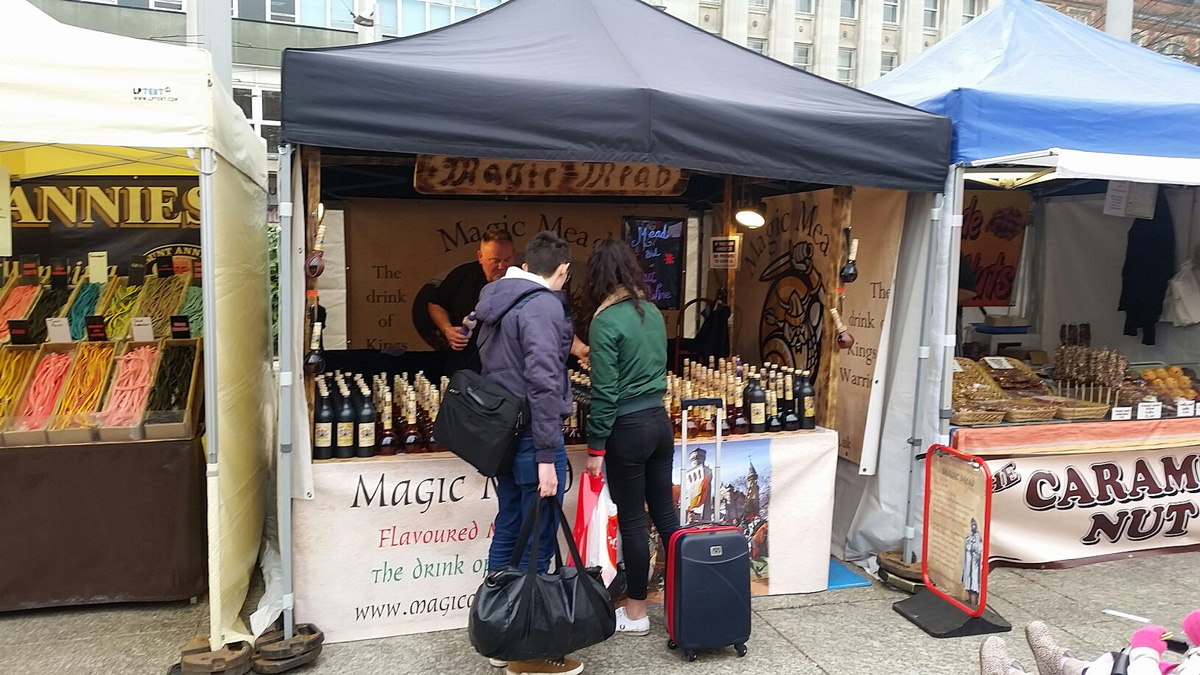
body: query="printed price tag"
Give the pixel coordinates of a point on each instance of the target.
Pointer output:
(180, 328)
(143, 330)
(1122, 413)
(95, 328)
(18, 331)
(1185, 408)
(98, 267)
(1149, 411)
(58, 329)
(956, 366)
(997, 362)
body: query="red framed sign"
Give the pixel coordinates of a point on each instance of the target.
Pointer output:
(958, 514)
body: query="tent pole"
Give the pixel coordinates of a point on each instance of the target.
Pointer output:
(208, 166)
(915, 442)
(283, 489)
(954, 251)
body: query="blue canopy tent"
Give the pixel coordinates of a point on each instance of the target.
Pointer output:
(1033, 96)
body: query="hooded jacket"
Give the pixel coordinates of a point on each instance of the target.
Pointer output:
(526, 352)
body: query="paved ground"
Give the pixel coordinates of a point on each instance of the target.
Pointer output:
(837, 632)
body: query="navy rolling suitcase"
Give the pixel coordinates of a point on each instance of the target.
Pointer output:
(708, 572)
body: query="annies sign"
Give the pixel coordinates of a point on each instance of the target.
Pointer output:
(1051, 508)
(125, 216)
(441, 175)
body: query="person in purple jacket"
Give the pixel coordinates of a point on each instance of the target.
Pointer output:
(526, 351)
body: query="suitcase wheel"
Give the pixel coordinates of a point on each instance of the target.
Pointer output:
(671, 645)
(690, 654)
(741, 649)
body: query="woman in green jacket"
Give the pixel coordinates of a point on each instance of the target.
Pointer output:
(629, 429)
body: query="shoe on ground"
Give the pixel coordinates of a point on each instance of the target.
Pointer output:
(629, 626)
(563, 666)
(1048, 655)
(994, 658)
(497, 663)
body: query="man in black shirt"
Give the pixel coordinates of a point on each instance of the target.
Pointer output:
(458, 294)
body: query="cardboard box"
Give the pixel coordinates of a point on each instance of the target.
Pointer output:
(1005, 320)
(176, 424)
(16, 437)
(133, 432)
(78, 427)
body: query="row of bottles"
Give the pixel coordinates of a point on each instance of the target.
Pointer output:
(755, 400)
(354, 419)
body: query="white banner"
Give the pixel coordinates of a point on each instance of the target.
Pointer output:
(398, 545)
(1052, 508)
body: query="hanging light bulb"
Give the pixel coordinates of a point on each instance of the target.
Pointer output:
(752, 218)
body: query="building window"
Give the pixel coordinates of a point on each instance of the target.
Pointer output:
(804, 6)
(888, 62)
(970, 10)
(1081, 15)
(758, 45)
(1176, 49)
(846, 66)
(931, 13)
(761, 5)
(262, 109)
(891, 11)
(802, 56)
(849, 9)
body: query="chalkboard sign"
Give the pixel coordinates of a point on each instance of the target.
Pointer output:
(658, 245)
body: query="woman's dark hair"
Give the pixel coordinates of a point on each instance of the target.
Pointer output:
(612, 265)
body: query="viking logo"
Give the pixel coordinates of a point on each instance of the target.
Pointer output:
(790, 329)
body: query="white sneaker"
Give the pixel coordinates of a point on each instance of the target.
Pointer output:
(497, 663)
(631, 627)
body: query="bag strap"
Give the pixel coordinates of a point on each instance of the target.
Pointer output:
(530, 523)
(521, 299)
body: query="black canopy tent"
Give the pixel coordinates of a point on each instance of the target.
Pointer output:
(605, 80)
(565, 80)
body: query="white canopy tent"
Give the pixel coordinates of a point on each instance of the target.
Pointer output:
(1076, 104)
(75, 102)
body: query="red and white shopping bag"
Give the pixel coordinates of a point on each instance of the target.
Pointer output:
(596, 530)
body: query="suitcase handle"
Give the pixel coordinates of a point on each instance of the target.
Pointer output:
(689, 403)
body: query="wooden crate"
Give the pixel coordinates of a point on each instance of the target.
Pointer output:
(134, 432)
(78, 427)
(166, 424)
(15, 436)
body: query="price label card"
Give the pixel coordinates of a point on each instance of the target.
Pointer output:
(98, 267)
(956, 366)
(94, 325)
(1149, 411)
(997, 362)
(58, 329)
(1122, 413)
(1185, 408)
(18, 331)
(181, 329)
(143, 330)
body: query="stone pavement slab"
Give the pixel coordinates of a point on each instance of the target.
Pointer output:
(845, 632)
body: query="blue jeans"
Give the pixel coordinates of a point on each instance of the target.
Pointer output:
(516, 492)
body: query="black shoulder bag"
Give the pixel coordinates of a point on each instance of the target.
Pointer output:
(479, 420)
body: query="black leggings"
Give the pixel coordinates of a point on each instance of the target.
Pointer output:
(640, 456)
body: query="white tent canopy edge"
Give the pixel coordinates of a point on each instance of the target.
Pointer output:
(135, 97)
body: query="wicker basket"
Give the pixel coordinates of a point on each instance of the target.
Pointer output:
(974, 371)
(973, 418)
(1020, 365)
(1090, 412)
(1030, 410)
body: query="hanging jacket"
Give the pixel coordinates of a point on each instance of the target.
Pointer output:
(1149, 266)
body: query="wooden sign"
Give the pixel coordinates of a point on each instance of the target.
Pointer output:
(442, 175)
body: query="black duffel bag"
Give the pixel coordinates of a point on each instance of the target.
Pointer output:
(480, 421)
(526, 616)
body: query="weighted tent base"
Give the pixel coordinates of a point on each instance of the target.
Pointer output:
(940, 619)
